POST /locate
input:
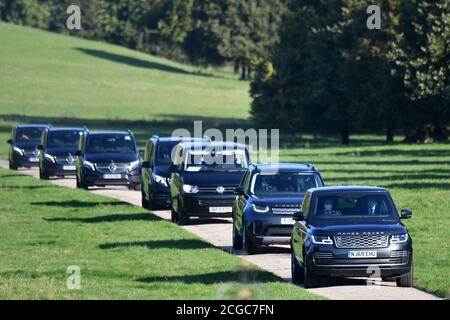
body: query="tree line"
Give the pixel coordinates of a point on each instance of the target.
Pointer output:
(330, 73)
(314, 64)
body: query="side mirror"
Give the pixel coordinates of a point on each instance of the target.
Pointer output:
(40, 147)
(298, 216)
(405, 214)
(173, 168)
(9, 141)
(141, 152)
(239, 191)
(145, 164)
(78, 153)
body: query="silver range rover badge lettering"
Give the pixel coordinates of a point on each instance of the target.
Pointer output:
(361, 233)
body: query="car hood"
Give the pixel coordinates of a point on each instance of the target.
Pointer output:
(359, 228)
(108, 157)
(290, 200)
(61, 151)
(162, 171)
(213, 178)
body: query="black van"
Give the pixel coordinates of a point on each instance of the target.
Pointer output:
(203, 178)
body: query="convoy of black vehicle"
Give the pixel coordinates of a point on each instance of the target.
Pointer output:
(332, 231)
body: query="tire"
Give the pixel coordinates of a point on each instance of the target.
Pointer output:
(310, 279)
(407, 280)
(12, 165)
(249, 246)
(237, 239)
(297, 272)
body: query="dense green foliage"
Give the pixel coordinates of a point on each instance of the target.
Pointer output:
(329, 72)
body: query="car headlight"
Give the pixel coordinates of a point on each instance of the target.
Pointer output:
(160, 180)
(322, 239)
(260, 209)
(134, 165)
(88, 165)
(399, 238)
(50, 158)
(18, 150)
(190, 188)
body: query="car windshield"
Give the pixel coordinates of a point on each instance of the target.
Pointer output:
(283, 182)
(28, 134)
(353, 205)
(110, 143)
(63, 139)
(216, 160)
(164, 152)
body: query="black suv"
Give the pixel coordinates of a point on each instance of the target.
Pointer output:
(108, 158)
(268, 196)
(155, 175)
(350, 232)
(204, 176)
(24, 143)
(58, 148)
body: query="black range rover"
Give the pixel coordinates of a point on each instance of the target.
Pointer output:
(204, 176)
(58, 148)
(24, 143)
(268, 196)
(108, 158)
(155, 175)
(350, 232)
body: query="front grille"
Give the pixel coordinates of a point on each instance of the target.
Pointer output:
(362, 241)
(212, 202)
(278, 231)
(213, 189)
(105, 167)
(31, 152)
(65, 160)
(323, 255)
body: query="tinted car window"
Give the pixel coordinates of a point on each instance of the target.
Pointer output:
(283, 182)
(28, 134)
(107, 143)
(353, 206)
(63, 139)
(164, 152)
(205, 160)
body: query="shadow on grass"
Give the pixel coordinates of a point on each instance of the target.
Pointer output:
(109, 218)
(158, 244)
(78, 204)
(216, 277)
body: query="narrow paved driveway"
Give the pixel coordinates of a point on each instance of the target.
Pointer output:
(273, 259)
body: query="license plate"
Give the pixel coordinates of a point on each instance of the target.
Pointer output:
(220, 209)
(287, 221)
(112, 176)
(34, 159)
(69, 168)
(362, 254)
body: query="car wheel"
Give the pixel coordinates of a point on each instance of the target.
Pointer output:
(407, 279)
(12, 165)
(249, 246)
(237, 238)
(310, 279)
(296, 271)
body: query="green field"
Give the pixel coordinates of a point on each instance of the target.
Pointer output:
(123, 252)
(68, 81)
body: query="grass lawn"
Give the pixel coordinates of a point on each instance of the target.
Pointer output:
(418, 177)
(123, 252)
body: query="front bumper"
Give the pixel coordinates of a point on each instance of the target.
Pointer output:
(25, 160)
(270, 229)
(327, 260)
(93, 178)
(59, 169)
(198, 205)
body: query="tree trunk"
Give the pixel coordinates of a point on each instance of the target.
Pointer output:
(345, 136)
(236, 67)
(249, 72)
(243, 71)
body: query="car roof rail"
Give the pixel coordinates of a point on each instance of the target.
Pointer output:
(130, 132)
(309, 165)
